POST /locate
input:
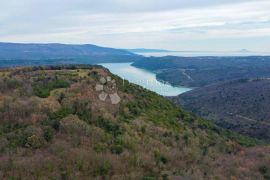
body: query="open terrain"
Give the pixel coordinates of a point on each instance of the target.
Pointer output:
(54, 125)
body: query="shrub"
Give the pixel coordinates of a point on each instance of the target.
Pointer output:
(58, 84)
(93, 74)
(43, 90)
(20, 138)
(117, 149)
(26, 137)
(12, 83)
(61, 97)
(109, 126)
(54, 123)
(81, 110)
(60, 114)
(160, 158)
(75, 127)
(103, 169)
(263, 169)
(100, 148)
(34, 141)
(150, 176)
(48, 133)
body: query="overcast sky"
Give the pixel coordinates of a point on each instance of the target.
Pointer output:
(220, 25)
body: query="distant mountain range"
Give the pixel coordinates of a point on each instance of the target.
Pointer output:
(11, 51)
(245, 51)
(143, 50)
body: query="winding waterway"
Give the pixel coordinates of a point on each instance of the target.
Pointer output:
(144, 78)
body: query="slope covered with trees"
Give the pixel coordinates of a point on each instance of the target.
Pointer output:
(239, 105)
(39, 54)
(202, 71)
(53, 125)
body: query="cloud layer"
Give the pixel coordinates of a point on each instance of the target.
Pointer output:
(172, 24)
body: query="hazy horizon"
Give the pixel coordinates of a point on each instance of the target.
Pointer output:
(151, 49)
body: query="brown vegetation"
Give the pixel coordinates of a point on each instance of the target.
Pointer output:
(62, 130)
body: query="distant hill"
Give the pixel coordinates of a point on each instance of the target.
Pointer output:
(245, 51)
(18, 51)
(143, 50)
(202, 71)
(240, 105)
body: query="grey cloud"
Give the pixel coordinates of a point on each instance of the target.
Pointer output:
(129, 22)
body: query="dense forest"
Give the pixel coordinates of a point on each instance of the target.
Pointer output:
(239, 105)
(54, 126)
(25, 54)
(201, 71)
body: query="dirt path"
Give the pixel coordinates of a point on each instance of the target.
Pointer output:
(252, 120)
(187, 75)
